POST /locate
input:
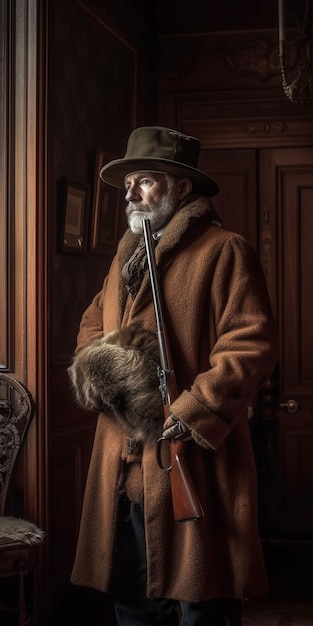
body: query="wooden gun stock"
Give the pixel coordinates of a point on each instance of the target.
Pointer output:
(186, 504)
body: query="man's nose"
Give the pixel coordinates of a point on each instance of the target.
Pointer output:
(132, 194)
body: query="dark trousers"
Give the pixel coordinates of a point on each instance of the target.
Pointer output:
(133, 608)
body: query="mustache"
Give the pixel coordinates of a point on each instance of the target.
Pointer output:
(139, 207)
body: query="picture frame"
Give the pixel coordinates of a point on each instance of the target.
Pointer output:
(105, 210)
(74, 234)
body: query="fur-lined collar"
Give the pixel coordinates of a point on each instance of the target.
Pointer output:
(199, 208)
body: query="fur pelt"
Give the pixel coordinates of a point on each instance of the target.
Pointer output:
(118, 375)
(14, 529)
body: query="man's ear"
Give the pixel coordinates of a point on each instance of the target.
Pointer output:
(184, 188)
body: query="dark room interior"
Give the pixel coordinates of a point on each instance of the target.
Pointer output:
(77, 76)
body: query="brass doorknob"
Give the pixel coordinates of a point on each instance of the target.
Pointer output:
(291, 406)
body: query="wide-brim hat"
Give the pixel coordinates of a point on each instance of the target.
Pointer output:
(158, 149)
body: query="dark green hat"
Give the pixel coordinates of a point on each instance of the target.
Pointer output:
(157, 149)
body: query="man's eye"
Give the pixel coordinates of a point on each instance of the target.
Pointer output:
(145, 181)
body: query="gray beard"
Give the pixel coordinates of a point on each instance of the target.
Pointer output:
(158, 214)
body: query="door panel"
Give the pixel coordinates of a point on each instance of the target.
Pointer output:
(235, 173)
(286, 228)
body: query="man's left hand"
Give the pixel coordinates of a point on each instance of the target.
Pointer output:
(175, 429)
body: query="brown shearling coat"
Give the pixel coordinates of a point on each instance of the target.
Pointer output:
(223, 342)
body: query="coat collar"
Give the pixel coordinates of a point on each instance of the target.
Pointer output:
(199, 208)
(191, 212)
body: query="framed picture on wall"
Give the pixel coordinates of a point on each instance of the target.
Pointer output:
(75, 216)
(105, 210)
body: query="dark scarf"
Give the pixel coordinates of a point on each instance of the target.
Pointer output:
(135, 268)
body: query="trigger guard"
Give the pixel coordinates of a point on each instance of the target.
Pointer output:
(159, 456)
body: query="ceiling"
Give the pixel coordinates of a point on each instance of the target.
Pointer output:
(186, 16)
(164, 17)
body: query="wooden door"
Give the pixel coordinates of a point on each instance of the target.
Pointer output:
(286, 232)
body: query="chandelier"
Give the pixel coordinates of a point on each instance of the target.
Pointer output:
(299, 87)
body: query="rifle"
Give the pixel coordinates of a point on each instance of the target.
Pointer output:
(186, 504)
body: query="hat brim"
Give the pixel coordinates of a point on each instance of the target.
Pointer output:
(114, 172)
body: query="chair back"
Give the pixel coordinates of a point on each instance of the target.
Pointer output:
(16, 412)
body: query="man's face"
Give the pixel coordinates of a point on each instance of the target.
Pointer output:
(150, 195)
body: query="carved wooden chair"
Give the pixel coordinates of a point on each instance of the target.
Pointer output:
(19, 538)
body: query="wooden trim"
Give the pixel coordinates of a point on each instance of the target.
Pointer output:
(6, 195)
(225, 121)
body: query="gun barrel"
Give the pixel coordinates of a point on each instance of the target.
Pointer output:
(186, 504)
(156, 294)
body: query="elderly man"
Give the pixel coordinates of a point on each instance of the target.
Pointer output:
(223, 345)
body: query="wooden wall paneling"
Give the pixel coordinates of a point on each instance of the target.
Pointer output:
(95, 56)
(226, 88)
(69, 455)
(210, 61)
(242, 120)
(235, 171)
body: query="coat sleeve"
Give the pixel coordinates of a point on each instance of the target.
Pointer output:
(244, 353)
(91, 325)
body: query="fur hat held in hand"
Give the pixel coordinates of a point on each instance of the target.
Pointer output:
(118, 374)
